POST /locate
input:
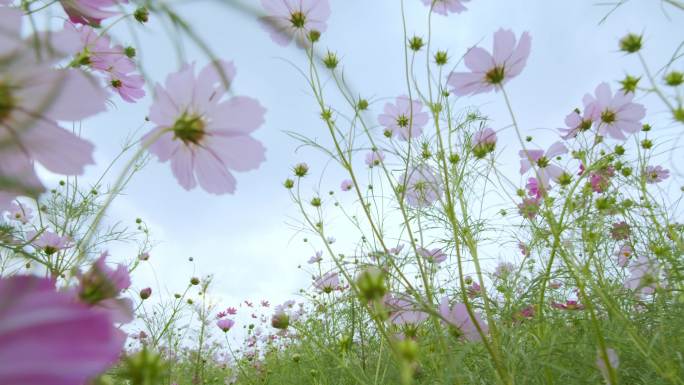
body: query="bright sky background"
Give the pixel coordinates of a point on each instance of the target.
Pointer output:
(244, 239)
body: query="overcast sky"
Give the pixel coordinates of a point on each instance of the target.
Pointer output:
(244, 239)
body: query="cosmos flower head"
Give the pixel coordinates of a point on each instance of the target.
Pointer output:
(444, 7)
(541, 162)
(374, 158)
(423, 187)
(433, 256)
(460, 324)
(491, 71)
(404, 118)
(328, 282)
(286, 20)
(90, 12)
(656, 174)
(644, 276)
(49, 242)
(614, 114)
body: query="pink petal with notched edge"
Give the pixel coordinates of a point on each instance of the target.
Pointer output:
(516, 62)
(240, 153)
(504, 44)
(479, 60)
(182, 164)
(238, 115)
(468, 83)
(212, 174)
(214, 79)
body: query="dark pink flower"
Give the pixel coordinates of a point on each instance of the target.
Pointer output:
(474, 290)
(288, 19)
(201, 135)
(534, 189)
(49, 338)
(490, 71)
(231, 311)
(423, 187)
(615, 114)
(458, 318)
(225, 324)
(529, 207)
(374, 158)
(568, 305)
(656, 174)
(90, 11)
(101, 287)
(540, 162)
(444, 7)
(600, 180)
(405, 118)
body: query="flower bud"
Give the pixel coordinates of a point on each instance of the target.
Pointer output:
(674, 78)
(371, 284)
(441, 58)
(330, 60)
(631, 43)
(194, 281)
(280, 320)
(142, 15)
(145, 293)
(301, 169)
(416, 43)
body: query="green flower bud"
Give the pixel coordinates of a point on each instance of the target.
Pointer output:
(371, 284)
(674, 78)
(441, 58)
(416, 43)
(330, 60)
(631, 43)
(629, 83)
(142, 15)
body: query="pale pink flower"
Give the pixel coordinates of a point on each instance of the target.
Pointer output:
(624, 254)
(404, 118)
(540, 162)
(288, 19)
(504, 269)
(423, 187)
(403, 311)
(458, 318)
(644, 276)
(534, 189)
(568, 305)
(656, 174)
(474, 290)
(327, 282)
(600, 180)
(10, 31)
(484, 142)
(225, 324)
(432, 256)
(396, 250)
(90, 11)
(529, 207)
(316, 258)
(577, 123)
(346, 185)
(444, 7)
(49, 242)
(616, 114)
(201, 135)
(20, 212)
(374, 158)
(491, 71)
(613, 361)
(48, 338)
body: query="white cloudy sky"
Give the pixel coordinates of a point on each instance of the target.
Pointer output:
(244, 239)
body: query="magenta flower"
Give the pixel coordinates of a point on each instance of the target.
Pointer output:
(225, 324)
(444, 7)
(529, 207)
(202, 136)
(48, 338)
(620, 231)
(231, 311)
(101, 286)
(423, 187)
(624, 254)
(90, 11)
(491, 71)
(656, 174)
(403, 311)
(316, 258)
(474, 290)
(568, 305)
(404, 118)
(613, 361)
(540, 162)
(534, 189)
(49, 242)
(20, 212)
(288, 19)
(462, 325)
(432, 256)
(644, 276)
(615, 114)
(327, 282)
(374, 158)
(600, 180)
(346, 185)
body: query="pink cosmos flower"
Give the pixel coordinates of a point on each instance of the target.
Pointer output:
(644, 276)
(474, 290)
(403, 311)
(34, 96)
(101, 286)
(458, 318)
(396, 250)
(615, 114)
(541, 160)
(529, 207)
(568, 305)
(90, 11)
(577, 123)
(534, 189)
(444, 7)
(484, 142)
(433, 256)
(225, 324)
(423, 187)
(404, 118)
(316, 258)
(231, 311)
(327, 282)
(20, 212)
(504, 269)
(202, 136)
(620, 231)
(374, 158)
(288, 19)
(346, 185)
(613, 361)
(656, 174)
(48, 338)
(49, 242)
(600, 180)
(624, 254)
(491, 71)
